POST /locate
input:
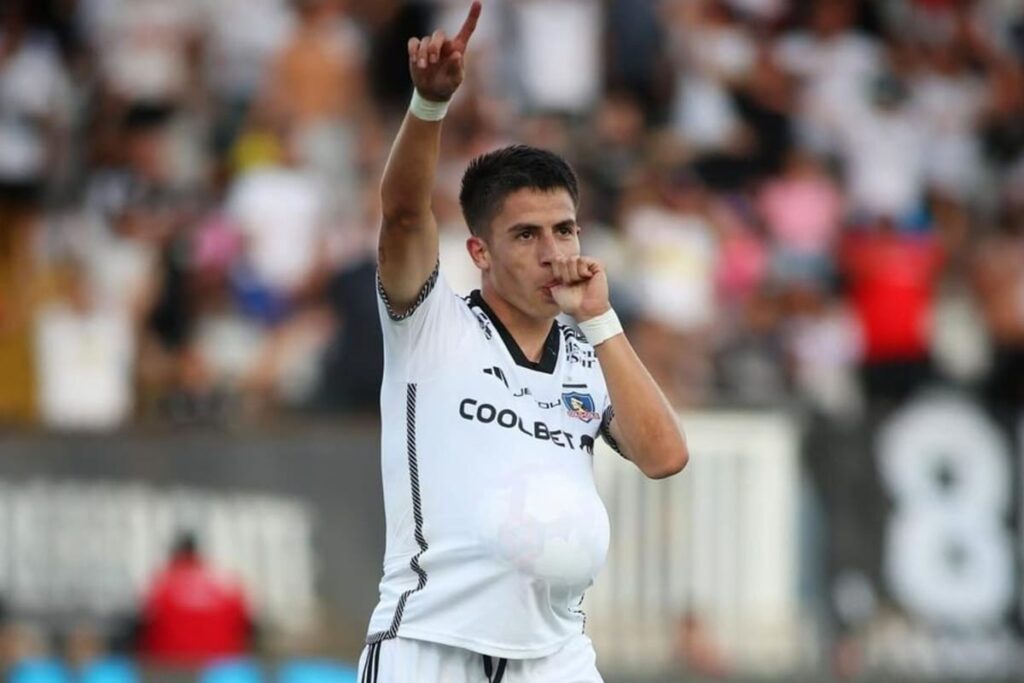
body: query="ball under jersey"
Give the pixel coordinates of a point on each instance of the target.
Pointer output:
(494, 525)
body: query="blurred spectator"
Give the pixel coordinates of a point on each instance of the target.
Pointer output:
(318, 74)
(354, 362)
(751, 361)
(147, 51)
(225, 341)
(1002, 131)
(191, 615)
(674, 249)
(317, 90)
(998, 280)
(883, 148)
(138, 254)
(892, 277)
(84, 356)
(949, 98)
(833, 63)
(823, 347)
(638, 60)
(802, 209)
(24, 651)
(712, 51)
(560, 70)
(280, 212)
(392, 23)
(744, 262)
(33, 111)
(610, 154)
(765, 101)
(241, 38)
(83, 646)
(34, 105)
(982, 25)
(698, 650)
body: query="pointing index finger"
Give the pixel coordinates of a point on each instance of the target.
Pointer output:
(468, 26)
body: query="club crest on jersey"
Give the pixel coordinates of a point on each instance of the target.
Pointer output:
(580, 406)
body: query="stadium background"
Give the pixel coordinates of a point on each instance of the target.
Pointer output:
(812, 214)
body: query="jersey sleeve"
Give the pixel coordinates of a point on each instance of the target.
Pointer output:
(424, 339)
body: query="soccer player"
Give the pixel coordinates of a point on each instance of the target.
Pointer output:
(490, 409)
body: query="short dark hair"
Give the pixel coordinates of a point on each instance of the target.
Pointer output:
(493, 176)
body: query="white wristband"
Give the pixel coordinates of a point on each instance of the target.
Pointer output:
(427, 110)
(601, 328)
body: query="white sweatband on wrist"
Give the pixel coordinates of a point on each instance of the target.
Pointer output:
(601, 328)
(427, 110)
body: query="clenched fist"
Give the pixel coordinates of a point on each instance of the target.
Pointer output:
(582, 289)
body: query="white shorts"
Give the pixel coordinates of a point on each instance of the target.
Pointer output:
(402, 660)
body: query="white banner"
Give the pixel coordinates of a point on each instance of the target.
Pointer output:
(93, 547)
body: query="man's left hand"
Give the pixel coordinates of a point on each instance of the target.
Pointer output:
(582, 291)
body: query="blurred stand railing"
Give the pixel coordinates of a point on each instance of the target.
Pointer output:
(703, 567)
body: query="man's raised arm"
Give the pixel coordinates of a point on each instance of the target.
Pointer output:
(407, 249)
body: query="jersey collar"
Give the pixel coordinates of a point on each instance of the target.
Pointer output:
(548, 354)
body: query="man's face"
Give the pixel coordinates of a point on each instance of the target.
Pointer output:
(533, 228)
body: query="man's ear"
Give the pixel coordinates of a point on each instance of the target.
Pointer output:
(477, 248)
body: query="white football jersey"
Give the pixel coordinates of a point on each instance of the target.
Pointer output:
(494, 525)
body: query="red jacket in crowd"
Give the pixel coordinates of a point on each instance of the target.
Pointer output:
(192, 616)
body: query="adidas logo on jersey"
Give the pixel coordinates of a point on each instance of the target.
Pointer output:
(497, 372)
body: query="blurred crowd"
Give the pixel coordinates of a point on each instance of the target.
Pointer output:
(812, 203)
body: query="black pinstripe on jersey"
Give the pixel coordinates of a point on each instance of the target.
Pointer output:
(417, 514)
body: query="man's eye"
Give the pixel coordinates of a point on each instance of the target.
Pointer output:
(565, 230)
(526, 234)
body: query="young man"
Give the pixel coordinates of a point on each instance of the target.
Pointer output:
(490, 409)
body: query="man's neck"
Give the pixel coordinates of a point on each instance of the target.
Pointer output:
(529, 333)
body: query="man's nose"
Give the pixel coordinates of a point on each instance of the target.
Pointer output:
(548, 249)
